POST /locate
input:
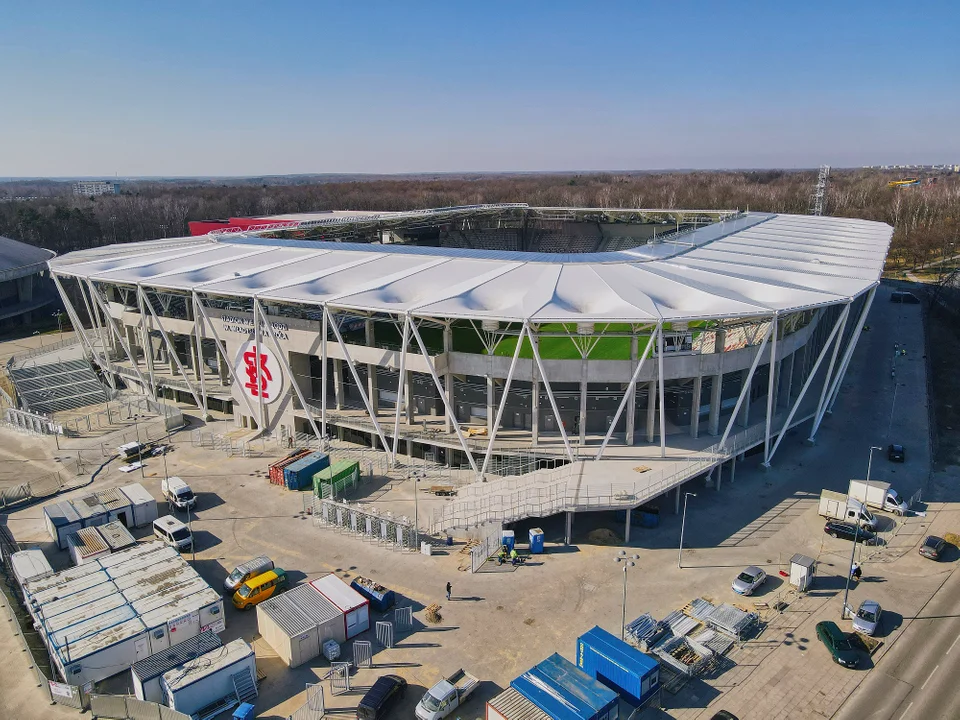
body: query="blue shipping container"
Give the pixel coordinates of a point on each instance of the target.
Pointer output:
(565, 692)
(536, 541)
(619, 666)
(299, 475)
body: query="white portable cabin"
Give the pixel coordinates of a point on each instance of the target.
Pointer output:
(117, 536)
(355, 607)
(117, 505)
(209, 679)
(62, 520)
(29, 565)
(297, 623)
(87, 544)
(183, 619)
(91, 511)
(143, 504)
(146, 673)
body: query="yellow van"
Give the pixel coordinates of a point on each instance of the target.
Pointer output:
(259, 588)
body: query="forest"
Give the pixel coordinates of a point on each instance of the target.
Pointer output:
(926, 217)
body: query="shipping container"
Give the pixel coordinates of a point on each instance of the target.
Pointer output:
(212, 678)
(276, 469)
(87, 544)
(288, 630)
(564, 692)
(331, 481)
(29, 565)
(183, 619)
(62, 520)
(298, 475)
(355, 607)
(146, 673)
(91, 511)
(143, 504)
(381, 598)
(117, 536)
(511, 705)
(118, 506)
(621, 667)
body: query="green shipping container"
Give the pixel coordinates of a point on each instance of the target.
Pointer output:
(330, 482)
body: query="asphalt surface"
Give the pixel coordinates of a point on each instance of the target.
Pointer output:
(917, 678)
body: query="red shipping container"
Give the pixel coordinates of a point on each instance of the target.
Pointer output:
(276, 470)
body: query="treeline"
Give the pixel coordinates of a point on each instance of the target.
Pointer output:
(926, 218)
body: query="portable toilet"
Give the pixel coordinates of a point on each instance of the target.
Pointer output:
(508, 540)
(802, 570)
(536, 541)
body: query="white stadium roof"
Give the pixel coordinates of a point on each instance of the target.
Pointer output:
(755, 264)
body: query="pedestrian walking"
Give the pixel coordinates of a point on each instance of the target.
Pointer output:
(856, 571)
(449, 588)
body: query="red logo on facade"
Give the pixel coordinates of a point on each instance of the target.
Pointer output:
(258, 386)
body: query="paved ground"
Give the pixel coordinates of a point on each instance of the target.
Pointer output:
(499, 624)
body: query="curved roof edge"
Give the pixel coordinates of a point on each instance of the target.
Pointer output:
(19, 259)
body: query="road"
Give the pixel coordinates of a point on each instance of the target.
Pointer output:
(918, 677)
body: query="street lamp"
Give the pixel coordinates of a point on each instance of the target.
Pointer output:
(416, 475)
(59, 316)
(683, 524)
(628, 561)
(856, 534)
(37, 333)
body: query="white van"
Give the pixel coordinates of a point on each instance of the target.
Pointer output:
(178, 493)
(173, 532)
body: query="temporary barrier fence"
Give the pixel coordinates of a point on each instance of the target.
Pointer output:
(339, 678)
(362, 653)
(385, 634)
(313, 708)
(403, 619)
(127, 707)
(383, 528)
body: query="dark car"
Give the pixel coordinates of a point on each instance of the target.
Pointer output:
(848, 531)
(933, 547)
(381, 697)
(724, 715)
(900, 296)
(896, 453)
(837, 642)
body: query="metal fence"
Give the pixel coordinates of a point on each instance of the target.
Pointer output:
(127, 707)
(313, 708)
(385, 529)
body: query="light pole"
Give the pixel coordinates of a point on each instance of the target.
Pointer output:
(37, 333)
(856, 534)
(683, 524)
(628, 561)
(415, 475)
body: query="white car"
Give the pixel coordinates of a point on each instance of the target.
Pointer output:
(749, 580)
(868, 617)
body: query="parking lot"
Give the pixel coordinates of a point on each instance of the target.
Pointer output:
(498, 624)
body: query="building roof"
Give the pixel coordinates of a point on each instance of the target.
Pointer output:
(754, 264)
(157, 664)
(18, 259)
(207, 664)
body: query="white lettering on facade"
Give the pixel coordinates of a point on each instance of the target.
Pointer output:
(235, 324)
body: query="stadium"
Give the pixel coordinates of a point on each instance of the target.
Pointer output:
(24, 287)
(562, 359)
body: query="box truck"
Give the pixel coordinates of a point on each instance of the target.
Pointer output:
(878, 495)
(838, 506)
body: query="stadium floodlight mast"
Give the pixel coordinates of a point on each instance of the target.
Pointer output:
(628, 561)
(683, 524)
(856, 534)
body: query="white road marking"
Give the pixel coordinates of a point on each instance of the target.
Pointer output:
(928, 677)
(954, 643)
(906, 711)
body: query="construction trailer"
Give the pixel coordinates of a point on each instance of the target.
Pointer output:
(117, 506)
(101, 617)
(564, 692)
(355, 607)
(87, 544)
(298, 622)
(143, 504)
(116, 536)
(61, 520)
(29, 565)
(621, 667)
(213, 683)
(511, 705)
(146, 673)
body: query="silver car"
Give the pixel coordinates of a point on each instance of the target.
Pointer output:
(868, 617)
(749, 580)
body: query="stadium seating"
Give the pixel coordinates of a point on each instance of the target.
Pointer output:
(58, 385)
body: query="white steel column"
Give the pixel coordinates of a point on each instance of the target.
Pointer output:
(534, 397)
(771, 379)
(260, 316)
(201, 368)
(631, 421)
(745, 390)
(356, 379)
(582, 415)
(95, 323)
(401, 387)
(123, 343)
(74, 318)
(447, 376)
(663, 416)
(627, 395)
(147, 342)
(170, 347)
(695, 407)
(553, 402)
(323, 374)
(258, 338)
(447, 406)
(221, 348)
(851, 346)
(828, 378)
(810, 378)
(503, 400)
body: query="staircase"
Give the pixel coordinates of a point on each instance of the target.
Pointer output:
(57, 385)
(245, 686)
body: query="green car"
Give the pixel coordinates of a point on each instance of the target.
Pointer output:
(838, 644)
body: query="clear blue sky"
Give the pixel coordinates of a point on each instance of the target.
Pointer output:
(241, 88)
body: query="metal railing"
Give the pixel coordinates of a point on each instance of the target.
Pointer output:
(43, 350)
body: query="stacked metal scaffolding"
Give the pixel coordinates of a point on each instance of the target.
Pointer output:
(385, 529)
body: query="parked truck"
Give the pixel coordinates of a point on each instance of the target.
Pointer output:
(446, 696)
(838, 506)
(878, 495)
(178, 493)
